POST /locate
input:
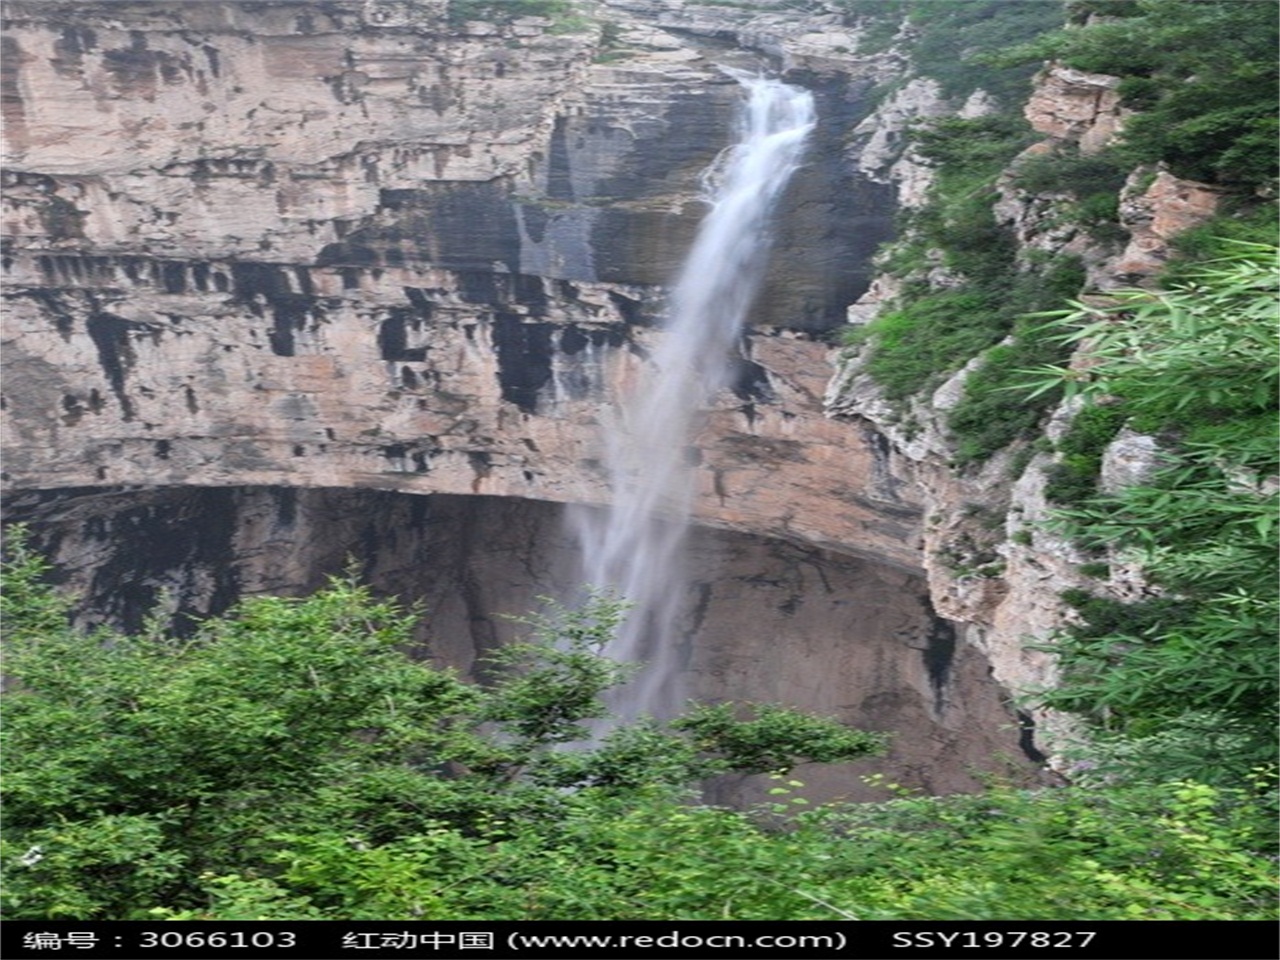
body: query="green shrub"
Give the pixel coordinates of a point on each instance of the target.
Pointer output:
(1220, 237)
(969, 143)
(291, 755)
(1071, 172)
(505, 11)
(953, 37)
(916, 346)
(985, 420)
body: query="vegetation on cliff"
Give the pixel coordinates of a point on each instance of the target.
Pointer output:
(1202, 105)
(967, 289)
(951, 42)
(1200, 76)
(289, 762)
(1171, 658)
(1181, 682)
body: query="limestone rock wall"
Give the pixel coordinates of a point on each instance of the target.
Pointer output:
(993, 563)
(315, 247)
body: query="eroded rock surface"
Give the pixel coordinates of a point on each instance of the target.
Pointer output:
(390, 256)
(994, 562)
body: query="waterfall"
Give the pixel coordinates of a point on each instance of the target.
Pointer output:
(633, 547)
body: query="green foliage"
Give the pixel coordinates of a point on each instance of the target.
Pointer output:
(948, 41)
(145, 771)
(984, 421)
(932, 333)
(1137, 853)
(1198, 366)
(775, 738)
(1220, 237)
(1178, 851)
(1209, 742)
(1093, 180)
(505, 11)
(879, 21)
(96, 867)
(288, 763)
(1202, 352)
(1201, 74)
(555, 680)
(1074, 478)
(982, 143)
(30, 610)
(913, 346)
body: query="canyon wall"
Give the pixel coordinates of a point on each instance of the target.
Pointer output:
(306, 245)
(771, 621)
(292, 281)
(994, 559)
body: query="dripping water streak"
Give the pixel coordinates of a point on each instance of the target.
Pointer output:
(633, 547)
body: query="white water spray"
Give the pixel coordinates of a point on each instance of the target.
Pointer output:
(633, 548)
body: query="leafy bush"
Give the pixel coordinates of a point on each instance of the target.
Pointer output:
(984, 421)
(1094, 181)
(1071, 172)
(139, 765)
(913, 346)
(1074, 478)
(953, 37)
(1065, 854)
(971, 143)
(505, 10)
(1219, 239)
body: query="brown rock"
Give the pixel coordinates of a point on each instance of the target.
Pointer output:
(1069, 104)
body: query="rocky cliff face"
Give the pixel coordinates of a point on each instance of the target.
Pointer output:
(993, 563)
(273, 267)
(429, 279)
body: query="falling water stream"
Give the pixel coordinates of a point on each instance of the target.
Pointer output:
(634, 546)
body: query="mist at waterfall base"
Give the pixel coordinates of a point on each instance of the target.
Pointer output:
(632, 549)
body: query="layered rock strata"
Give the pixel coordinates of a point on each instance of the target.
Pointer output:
(413, 283)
